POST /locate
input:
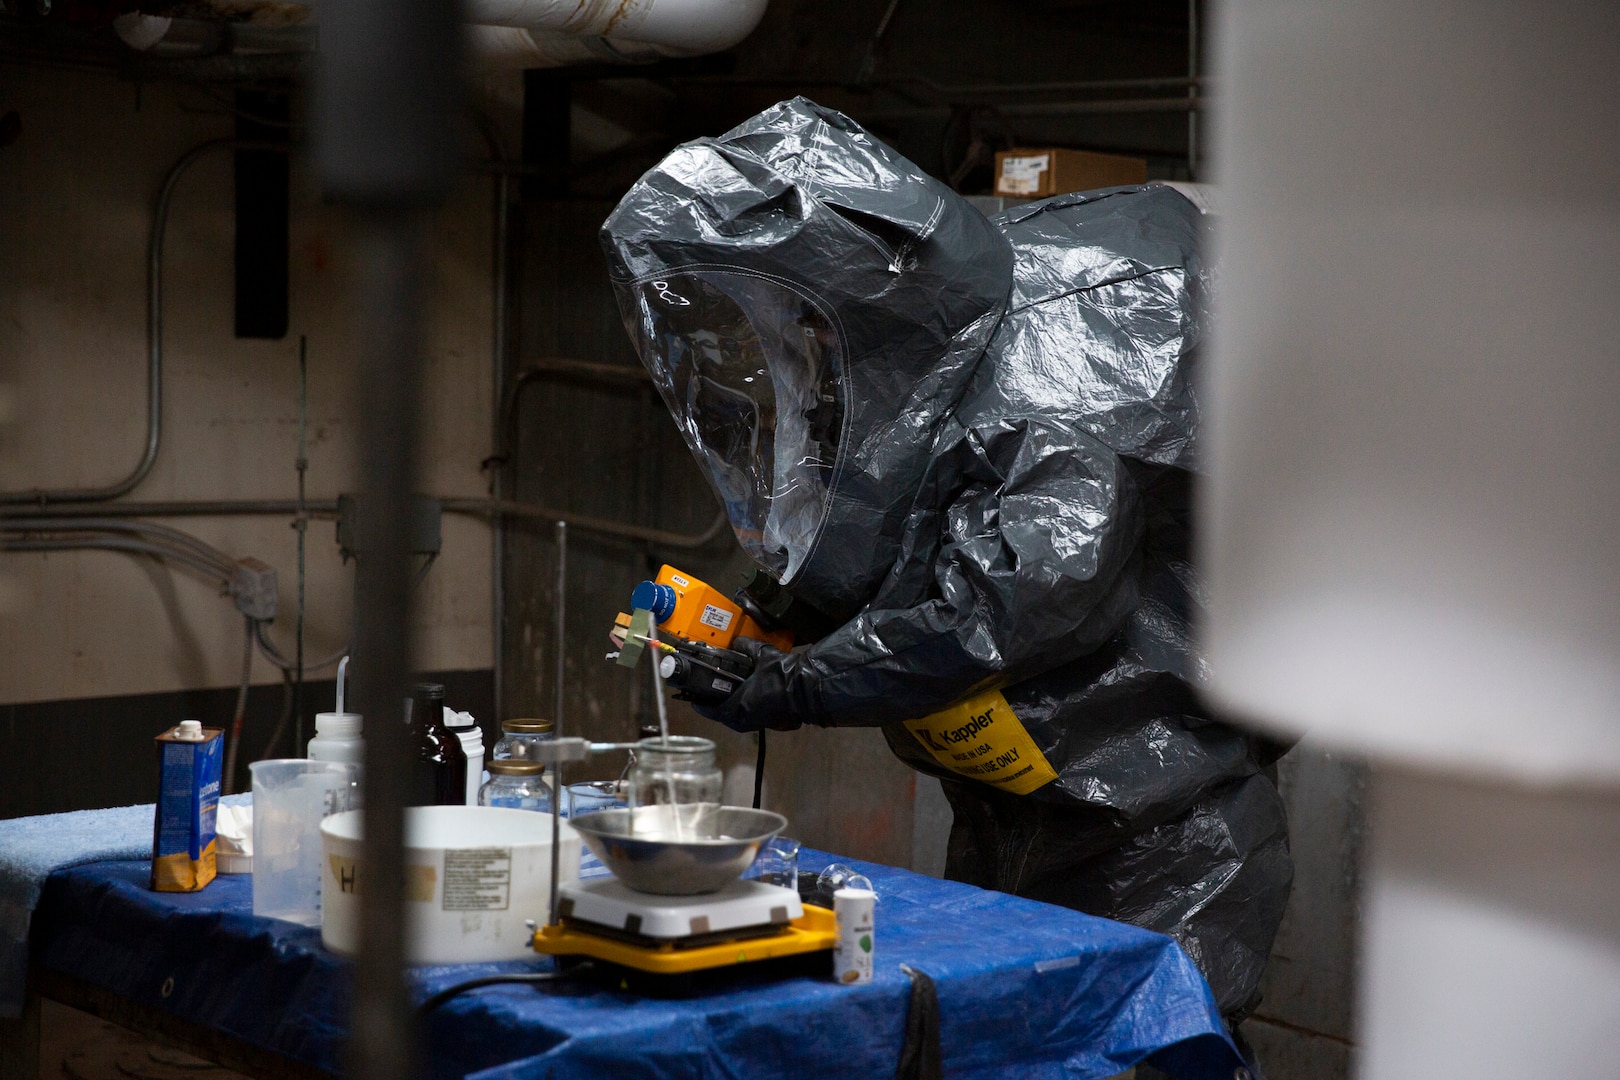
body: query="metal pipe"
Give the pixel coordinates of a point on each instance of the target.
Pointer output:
(557, 708)
(1116, 105)
(585, 523)
(583, 370)
(301, 526)
(1087, 86)
(552, 367)
(497, 576)
(942, 92)
(154, 341)
(328, 509)
(498, 360)
(317, 508)
(1192, 92)
(1100, 107)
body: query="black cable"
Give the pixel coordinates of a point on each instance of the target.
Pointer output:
(759, 770)
(120, 543)
(488, 980)
(150, 531)
(920, 1058)
(273, 654)
(233, 747)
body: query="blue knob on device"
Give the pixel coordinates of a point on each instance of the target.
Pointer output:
(653, 597)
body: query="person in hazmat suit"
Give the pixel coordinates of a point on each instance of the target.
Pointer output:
(959, 448)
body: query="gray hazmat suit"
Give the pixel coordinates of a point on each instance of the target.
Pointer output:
(966, 443)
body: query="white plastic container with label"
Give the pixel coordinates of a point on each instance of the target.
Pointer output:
(464, 727)
(852, 952)
(473, 876)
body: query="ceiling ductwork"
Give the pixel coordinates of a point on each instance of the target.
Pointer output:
(674, 27)
(503, 34)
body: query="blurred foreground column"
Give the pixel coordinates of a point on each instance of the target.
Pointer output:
(1412, 524)
(388, 93)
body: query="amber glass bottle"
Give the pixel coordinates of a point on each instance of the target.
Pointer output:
(439, 771)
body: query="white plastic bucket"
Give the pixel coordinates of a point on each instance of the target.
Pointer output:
(473, 876)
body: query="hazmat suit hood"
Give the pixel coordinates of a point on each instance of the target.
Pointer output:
(811, 306)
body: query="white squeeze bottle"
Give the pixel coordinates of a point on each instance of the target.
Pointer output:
(337, 734)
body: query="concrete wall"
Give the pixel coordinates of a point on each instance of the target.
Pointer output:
(76, 202)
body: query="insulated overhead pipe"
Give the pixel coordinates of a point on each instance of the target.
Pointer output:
(563, 33)
(504, 33)
(678, 27)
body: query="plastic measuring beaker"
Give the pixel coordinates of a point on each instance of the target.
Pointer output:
(290, 797)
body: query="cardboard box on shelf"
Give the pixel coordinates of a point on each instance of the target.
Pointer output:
(1035, 174)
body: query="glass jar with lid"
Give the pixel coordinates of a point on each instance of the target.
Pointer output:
(674, 788)
(518, 737)
(517, 785)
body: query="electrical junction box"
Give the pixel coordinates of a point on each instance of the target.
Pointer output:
(253, 587)
(1036, 174)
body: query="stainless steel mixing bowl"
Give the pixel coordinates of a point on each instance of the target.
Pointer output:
(700, 850)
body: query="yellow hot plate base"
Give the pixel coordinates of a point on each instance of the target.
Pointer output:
(813, 931)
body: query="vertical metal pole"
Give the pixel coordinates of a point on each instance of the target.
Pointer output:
(557, 714)
(388, 97)
(301, 523)
(1192, 90)
(562, 623)
(497, 524)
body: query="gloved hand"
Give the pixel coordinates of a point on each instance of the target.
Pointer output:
(763, 699)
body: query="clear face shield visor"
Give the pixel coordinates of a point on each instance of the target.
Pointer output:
(751, 369)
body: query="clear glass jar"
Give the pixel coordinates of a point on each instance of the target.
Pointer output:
(519, 736)
(589, 796)
(674, 788)
(517, 785)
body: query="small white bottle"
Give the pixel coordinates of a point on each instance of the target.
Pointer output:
(337, 738)
(852, 951)
(337, 734)
(464, 727)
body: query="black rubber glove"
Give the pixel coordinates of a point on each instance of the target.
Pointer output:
(762, 701)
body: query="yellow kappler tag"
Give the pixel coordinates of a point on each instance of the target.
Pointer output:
(981, 739)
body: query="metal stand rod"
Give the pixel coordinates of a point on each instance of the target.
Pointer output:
(557, 712)
(1193, 164)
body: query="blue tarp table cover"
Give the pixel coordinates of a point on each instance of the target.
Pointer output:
(1025, 990)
